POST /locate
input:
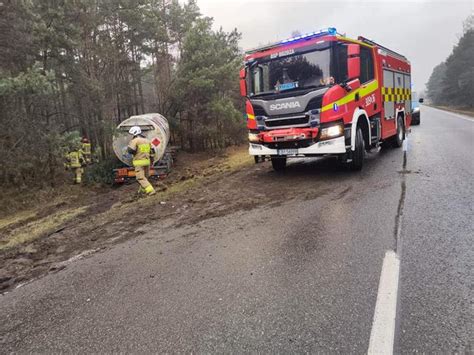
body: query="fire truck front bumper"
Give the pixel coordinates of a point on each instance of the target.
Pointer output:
(330, 146)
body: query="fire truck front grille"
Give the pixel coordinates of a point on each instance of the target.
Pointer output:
(292, 144)
(295, 121)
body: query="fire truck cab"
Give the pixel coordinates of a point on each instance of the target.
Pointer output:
(325, 94)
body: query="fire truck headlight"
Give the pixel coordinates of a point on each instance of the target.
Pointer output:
(332, 131)
(254, 138)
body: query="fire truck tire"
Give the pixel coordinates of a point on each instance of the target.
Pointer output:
(398, 140)
(279, 163)
(358, 154)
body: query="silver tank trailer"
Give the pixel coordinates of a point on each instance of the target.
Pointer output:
(154, 127)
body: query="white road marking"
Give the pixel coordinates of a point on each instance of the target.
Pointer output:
(382, 335)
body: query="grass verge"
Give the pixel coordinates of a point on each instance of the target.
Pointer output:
(36, 226)
(17, 218)
(461, 110)
(36, 229)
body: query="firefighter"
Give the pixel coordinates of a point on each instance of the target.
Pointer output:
(75, 161)
(142, 152)
(86, 150)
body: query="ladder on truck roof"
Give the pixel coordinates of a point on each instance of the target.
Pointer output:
(373, 43)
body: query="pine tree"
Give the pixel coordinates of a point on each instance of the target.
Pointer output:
(86, 65)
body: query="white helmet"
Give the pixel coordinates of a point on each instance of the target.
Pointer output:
(135, 131)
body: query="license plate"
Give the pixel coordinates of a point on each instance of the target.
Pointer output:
(287, 151)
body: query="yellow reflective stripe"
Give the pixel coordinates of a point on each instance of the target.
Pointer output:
(141, 162)
(144, 148)
(363, 91)
(250, 117)
(396, 94)
(149, 189)
(74, 160)
(86, 147)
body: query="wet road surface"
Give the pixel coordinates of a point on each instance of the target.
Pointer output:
(298, 276)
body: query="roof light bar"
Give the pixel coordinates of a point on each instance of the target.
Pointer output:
(327, 31)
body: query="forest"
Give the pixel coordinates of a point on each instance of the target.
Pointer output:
(82, 66)
(452, 81)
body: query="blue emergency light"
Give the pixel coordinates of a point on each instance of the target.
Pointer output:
(327, 31)
(324, 32)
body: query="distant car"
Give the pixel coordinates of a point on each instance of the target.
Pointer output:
(415, 109)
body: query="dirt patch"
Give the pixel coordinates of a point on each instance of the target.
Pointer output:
(29, 231)
(199, 187)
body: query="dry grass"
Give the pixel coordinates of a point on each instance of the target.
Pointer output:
(238, 158)
(35, 229)
(15, 202)
(17, 218)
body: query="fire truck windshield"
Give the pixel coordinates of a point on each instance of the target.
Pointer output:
(295, 72)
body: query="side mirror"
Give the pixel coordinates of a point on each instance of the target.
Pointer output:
(243, 83)
(421, 100)
(353, 61)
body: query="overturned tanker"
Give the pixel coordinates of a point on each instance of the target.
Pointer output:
(155, 128)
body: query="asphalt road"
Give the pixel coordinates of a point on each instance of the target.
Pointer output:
(300, 276)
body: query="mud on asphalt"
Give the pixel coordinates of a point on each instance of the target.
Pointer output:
(211, 188)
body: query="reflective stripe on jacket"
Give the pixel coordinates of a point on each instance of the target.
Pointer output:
(142, 148)
(75, 159)
(86, 148)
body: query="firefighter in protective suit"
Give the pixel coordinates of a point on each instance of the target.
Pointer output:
(143, 153)
(86, 150)
(75, 161)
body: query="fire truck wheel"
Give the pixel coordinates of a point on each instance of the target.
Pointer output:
(398, 141)
(279, 163)
(257, 159)
(358, 155)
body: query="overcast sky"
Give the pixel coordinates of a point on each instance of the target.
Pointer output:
(424, 31)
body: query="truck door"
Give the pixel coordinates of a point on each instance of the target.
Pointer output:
(388, 96)
(369, 94)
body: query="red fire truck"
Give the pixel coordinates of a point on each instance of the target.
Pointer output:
(325, 94)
